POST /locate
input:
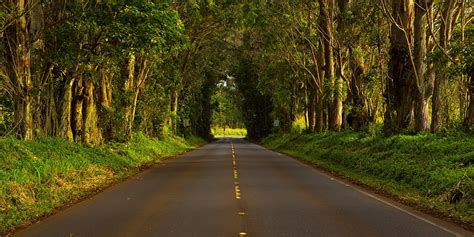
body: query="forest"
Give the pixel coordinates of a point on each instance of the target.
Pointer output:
(100, 72)
(97, 71)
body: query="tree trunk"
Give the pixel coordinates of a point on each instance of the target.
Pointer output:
(129, 85)
(444, 38)
(174, 109)
(419, 57)
(133, 86)
(77, 125)
(319, 120)
(398, 113)
(306, 106)
(469, 122)
(22, 69)
(436, 104)
(334, 100)
(311, 105)
(92, 135)
(133, 111)
(358, 116)
(51, 119)
(105, 89)
(293, 104)
(320, 114)
(65, 129)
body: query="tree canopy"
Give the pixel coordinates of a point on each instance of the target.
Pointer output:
(98, 71)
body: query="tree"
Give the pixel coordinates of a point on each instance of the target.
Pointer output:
(423, 81)
(95, 71)
(18, 74)
(398, 114)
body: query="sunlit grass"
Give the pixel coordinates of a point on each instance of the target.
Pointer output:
(229, 132)
(38, 176)
(426, 169)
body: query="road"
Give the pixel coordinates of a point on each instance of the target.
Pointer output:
(236, 188)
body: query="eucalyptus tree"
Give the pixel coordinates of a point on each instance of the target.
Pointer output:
(17, 73)
(78, 49)
(94, 71)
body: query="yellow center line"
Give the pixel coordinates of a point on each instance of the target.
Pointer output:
(237, 190)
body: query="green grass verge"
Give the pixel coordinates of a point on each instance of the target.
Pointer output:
(238, 132)
(37, 177)
(434, 172)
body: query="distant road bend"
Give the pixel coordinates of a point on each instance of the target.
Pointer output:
(235, 188)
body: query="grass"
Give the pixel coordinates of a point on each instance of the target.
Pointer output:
(434, 172)
(236, 132)
(37, 177)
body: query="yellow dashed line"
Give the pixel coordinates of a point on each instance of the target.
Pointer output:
(236, 185)
(237, 192)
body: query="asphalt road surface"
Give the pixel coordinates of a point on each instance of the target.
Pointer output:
(235, 188)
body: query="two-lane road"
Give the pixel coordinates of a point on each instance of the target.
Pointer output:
(235, 188)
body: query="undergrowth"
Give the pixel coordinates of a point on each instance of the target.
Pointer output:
(36, 177)
(434, 171)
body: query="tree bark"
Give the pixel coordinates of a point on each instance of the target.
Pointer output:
(65, 129)
(469, 122)
(92, 135)
(311, 106)
(129, 85)
(51, 118)
(358, 116)
(21, 51)
(444, 38)
(133, 86)
(398, 94)
(77, 125)
(320, 124)
(133, 109)
(105, 89)
(420, 77)
(334, 100)
(174, 108)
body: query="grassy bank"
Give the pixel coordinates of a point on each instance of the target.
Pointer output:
(36, 177)
(433, 171)
(238, 132)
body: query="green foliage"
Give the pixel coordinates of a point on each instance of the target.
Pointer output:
(226, 103)
(299, 125)
(268, 55)
(464, 51)
(114, 30)
(256, 107)
(229, 132)
(36, 177)
(202, 110)
(437, 171)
